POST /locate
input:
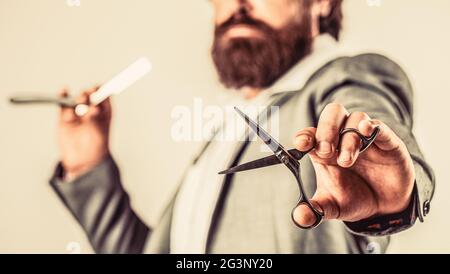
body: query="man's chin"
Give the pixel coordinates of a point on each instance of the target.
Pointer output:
(239, 41)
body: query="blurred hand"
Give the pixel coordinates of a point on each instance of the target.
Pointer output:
(83, 141)
(353, 186)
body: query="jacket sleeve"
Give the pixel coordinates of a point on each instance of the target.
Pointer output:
(102, 207)
(377, 86)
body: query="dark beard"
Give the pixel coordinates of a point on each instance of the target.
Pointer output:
(259, 62)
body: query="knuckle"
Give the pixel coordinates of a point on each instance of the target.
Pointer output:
(308, 131)
(377, 122)
(328, 126)
(359, 115)
(335, 107)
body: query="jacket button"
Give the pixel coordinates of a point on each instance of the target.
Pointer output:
(426, 207)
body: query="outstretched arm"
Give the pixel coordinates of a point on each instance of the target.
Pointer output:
(385, 189)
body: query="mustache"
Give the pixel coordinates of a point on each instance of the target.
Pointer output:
(244, 19)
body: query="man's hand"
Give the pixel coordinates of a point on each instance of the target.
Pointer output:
(83, 141)
(353, 186)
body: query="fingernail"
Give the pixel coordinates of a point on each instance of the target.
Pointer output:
(345, 156)
(325, 148)
(303, 140)
(304, 216)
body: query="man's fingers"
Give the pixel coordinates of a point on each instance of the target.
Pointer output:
(91, 90)
(67, 114)
(105, 108)
(84, 98)
(328, 129)
(387, 140)
(350, 143)
(94, 112)
(304, 216)
(305, 139)
(64, 92)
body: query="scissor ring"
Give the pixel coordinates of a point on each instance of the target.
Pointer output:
(366, 142)
(318, 214)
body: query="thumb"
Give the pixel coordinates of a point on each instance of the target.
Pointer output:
(304, 216)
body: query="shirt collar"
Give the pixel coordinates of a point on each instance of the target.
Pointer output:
(325, 49)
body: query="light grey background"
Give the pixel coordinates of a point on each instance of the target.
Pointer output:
(45, 44)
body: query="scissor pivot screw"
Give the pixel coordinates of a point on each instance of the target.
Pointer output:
(284, 159)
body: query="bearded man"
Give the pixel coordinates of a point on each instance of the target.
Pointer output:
(282, 53)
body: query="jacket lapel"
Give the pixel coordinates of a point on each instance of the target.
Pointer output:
(278, 100)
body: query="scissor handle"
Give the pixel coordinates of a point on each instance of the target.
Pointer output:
(318, 214)
(366, 141)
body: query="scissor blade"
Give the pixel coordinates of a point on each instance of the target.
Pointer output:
(264, 162)
(267, 139)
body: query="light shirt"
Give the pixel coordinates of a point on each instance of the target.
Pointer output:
(196, 200)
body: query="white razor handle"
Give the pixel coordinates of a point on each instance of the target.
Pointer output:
(119, 83)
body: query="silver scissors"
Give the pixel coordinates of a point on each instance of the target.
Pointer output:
(290, 158)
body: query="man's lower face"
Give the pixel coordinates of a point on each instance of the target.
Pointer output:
(242, 31)
(249, 53)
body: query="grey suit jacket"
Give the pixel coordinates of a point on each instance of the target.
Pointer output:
(253, 212)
